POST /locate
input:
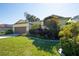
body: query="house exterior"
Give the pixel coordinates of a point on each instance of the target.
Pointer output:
(23, 26)
(5, 27)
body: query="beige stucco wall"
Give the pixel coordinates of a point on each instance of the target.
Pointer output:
(19, 25)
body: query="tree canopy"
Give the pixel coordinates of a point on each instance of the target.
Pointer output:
(31, 18)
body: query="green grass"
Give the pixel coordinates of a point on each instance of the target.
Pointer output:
(24, 46)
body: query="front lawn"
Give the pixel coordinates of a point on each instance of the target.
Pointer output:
(24, 46)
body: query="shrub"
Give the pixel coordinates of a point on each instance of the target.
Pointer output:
(69, 37)
(43, 33)
(9, 32)
(68, 47)
(2, 33)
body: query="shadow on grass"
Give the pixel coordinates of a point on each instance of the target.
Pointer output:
(46, 45)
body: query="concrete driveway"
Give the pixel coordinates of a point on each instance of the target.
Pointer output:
(4, 37)
(7, 36)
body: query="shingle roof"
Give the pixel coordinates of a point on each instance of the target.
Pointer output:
(21, 21)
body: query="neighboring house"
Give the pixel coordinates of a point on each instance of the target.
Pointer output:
(4, 27)
(76, 18)
(23, 26)
(71, 21)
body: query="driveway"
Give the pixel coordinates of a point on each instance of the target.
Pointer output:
(7, 36)
(4, 37)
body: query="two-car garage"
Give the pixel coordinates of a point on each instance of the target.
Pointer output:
(20, 27)
(20, 30)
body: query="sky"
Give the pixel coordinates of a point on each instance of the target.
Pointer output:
(10, 13)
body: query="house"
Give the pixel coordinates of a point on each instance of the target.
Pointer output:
(20, 27)
(23, 26)
(5, 27)
(71, 21)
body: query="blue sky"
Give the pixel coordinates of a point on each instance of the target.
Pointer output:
(10, 13)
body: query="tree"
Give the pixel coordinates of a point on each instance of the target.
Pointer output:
(35, 25)
(31, 18)
(53, 24)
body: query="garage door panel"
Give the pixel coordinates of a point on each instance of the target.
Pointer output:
(20, 30)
